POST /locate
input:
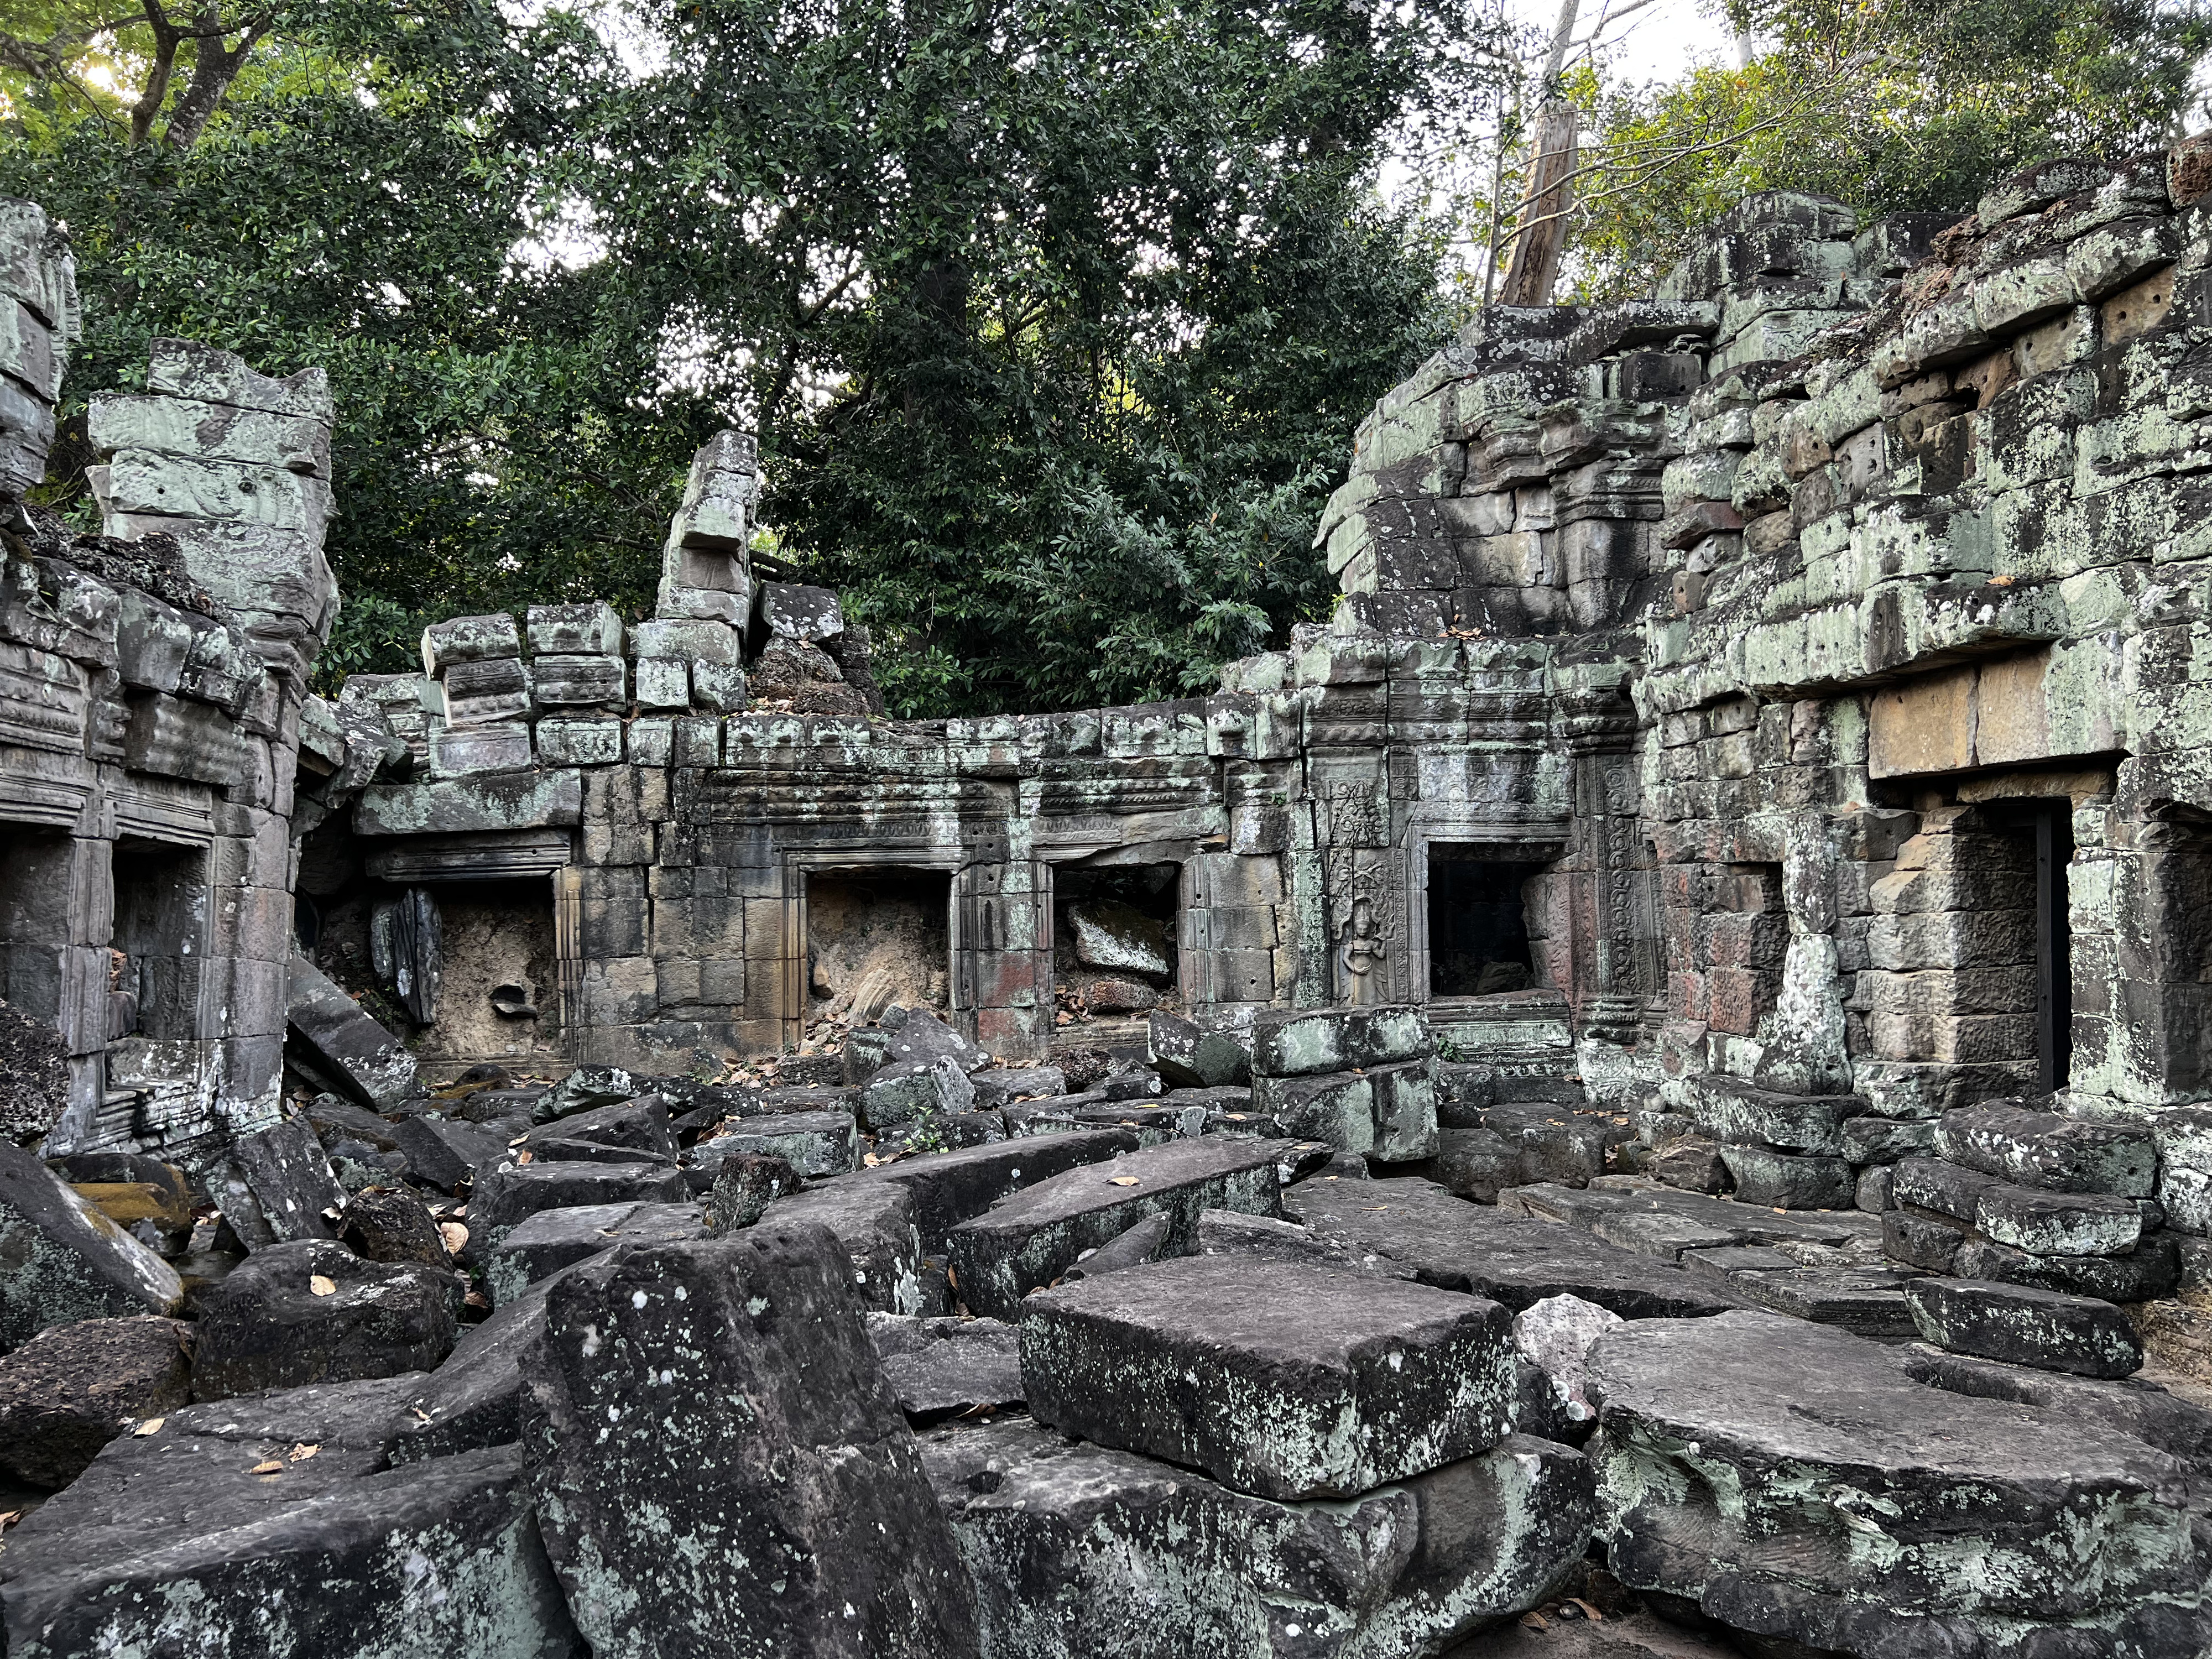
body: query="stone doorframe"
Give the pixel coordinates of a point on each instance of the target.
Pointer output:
(1541, 840)
(801, 862)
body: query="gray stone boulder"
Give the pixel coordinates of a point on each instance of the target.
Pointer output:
(270, 1528)
(948, 1187)
(69, 1391)
(507, 1194)
(2023, 1326)
(745, 1184)
(873, 1224)
(447, 1153)
(639, 1126)
(1110, 935)
(1794, 1482)
(1281, 1379)
(1079, 1552)
(1310, 1042)
(543, 1244)
(391, 1225)
(313, 1311)
(586, 1087)
(1030, 1239)
(815, 1144)
(2014, 1142)
(800, 1525)
(62, 1261)
(1188, 1056)
(938, 1367)
(278, 1185)
(904, 1089)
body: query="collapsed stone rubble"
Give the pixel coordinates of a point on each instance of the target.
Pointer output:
(1649, 1073)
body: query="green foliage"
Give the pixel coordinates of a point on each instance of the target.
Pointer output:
(1053, 317)
(1894, 106)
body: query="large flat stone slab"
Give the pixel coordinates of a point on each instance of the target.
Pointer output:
(1079, 1552)
(2021, 1325)
(2014, 1142)
(187, 1541)
(948, 1187)
(1794, 1481)
(62, 1261)
(344, 1044)
(1458, 1246)
(1278, 1379)
(1032, 1239)
(939, 1366)
(719, 1466)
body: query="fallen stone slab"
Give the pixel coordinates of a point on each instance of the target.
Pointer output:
(1309, 1043)
(1281, 1379)
(553, 1147)
(638, 1125)
(1739, 1113)
(541, 1245)
(62, 1261)
(2021, 1325)
(1942, 1188)
(269, 1528)
(938, 1367)
(69, 1391)
(2030, 1148)
(1618, 1196)
(507, 1195)
(744, 1186)
(1692, 1165)
(1081, 1552)
(278, 1185)
(389, 1224)
(1922, 1239)
(2127, 1406)
(1001, 1085)
(341, 1044)
(1188, 1056)
(336, 1120)
(1661, 1233)
(873, 1224)
(1336, 1108)
(150, 1200)
(313, 1311)
(1405, 1112)
(1227, 1232)
(948, 1187)
(816, 1480)
(1789, 1480)
(584, 1089)
(1552, 1338)
(1763, 1176)
(474, 1399)
(906, 1089)
(446, 1152)
(2150, 1272)
(2058, 1224)
(941, 1135)
(1030, 1239)
(813, 1143)
(1517, 1262)
(1867, 1301)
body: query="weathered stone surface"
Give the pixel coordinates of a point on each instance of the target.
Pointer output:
(2047, 1150)
(1309, 1043)
(186, 1541)
(384, 1224)
(906, 1089)
(279, 1187)
(1078, 1551)
(1113, 935)
(745, 1184)
(1031, 1239)
(445, 1151)
(1730, 1448)
(312, 1312)
(2146, 1274)
(355, 1052)
(62, 1261)
(1188, 1056)
(2023, 1326)
(938, 1367)
(814, 1142)
(34, 1076)
(537, 1248)
(874, 1223)
(1764, 1176)
(948, 1187)
(69, 1391)
(1554, 1336)
(1131, 1247)
(816, 1480)
(508, 1194)
(2058, 1224)
(1460, 1246)
(1277, 1378)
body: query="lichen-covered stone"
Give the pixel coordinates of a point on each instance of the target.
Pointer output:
(1281, 1379)
(1078, 1551)
(62, 1261)
(69, 1391)
(2021, 1325)
(719, 1468)
(312, 1312)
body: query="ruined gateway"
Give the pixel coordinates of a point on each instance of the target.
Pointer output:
(1658, 1065)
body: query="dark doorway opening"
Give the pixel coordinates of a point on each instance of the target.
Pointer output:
(2052, 827)
(156, 951)
(34, 920)
(1114, 933)
(876, 937)
(1478, 920)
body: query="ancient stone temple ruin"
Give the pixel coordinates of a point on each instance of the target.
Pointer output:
(1651, 1076)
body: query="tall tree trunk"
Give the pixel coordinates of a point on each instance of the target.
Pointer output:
(1539, 236)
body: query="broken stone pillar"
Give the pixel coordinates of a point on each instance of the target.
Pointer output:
(704, 573)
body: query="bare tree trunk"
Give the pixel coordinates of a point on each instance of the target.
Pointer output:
(1539, 239)
(215, 66)
(167, 38)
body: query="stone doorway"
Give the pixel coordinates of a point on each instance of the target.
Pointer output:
(159, 945)
(35, 891)
(875, 938)
(1478, 916)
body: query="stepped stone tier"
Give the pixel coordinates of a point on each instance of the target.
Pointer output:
(1658, 1063)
